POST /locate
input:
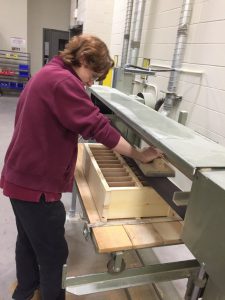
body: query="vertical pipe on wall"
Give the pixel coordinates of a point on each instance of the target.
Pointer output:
(137, 25)
(178, 54)
(127, 32)
(134, 21)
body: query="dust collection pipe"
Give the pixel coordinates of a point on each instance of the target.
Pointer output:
(178, 54)
(127, 32)
(135, 39)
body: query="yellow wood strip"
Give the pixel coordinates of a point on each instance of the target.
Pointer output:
(169, 231)
(143, 235)
(111, 239)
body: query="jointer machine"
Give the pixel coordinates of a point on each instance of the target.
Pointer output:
(195, 217)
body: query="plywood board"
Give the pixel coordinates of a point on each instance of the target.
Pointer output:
(143, 235)
(169, 231)
(136, 203)
(111, 239)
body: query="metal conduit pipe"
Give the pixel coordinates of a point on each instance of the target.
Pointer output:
(178, 54)
(135, 40)
(127, 32)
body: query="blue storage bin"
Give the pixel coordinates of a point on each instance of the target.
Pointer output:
(24, 67)
(12, 85)
(24, 74)
(20, 86)
(4, 84)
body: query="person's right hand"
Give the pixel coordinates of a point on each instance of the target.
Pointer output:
(149, 154)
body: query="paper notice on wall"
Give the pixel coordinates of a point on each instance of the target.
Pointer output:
(18, 44)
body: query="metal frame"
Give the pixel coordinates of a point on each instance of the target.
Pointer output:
(172, 138)
(93, 283)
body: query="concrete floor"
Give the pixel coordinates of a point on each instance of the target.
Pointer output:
(82, 259)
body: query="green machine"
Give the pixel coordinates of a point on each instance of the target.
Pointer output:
(202, 161)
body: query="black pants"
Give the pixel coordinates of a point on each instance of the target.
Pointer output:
(41, 249)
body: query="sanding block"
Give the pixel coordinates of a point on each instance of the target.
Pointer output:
(159, 167)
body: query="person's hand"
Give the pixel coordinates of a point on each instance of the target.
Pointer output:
(144, 155)
(149, 154)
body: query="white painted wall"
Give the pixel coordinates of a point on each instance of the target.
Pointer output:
(203, 95)
(52, 14)
(26, 19)
(13, 21)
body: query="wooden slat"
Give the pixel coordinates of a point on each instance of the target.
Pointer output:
(169, 231)
(114, 170)
(110, 165)
(106, 161)
(83, 187)
(111, 239)
(118, 178)
(143, 235)
(87, 200)
(104, 157)
(121, 184)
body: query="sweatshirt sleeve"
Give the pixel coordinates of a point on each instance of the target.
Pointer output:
(76, 112)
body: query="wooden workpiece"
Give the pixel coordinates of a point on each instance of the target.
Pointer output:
(116, 190)
(110, 237)
(159, 167)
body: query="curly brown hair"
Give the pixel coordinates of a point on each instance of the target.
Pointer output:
(91, 50)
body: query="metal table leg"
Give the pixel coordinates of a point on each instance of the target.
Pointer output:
(196, 282)
(72, 215)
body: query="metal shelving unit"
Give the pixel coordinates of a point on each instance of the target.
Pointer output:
(14, 71)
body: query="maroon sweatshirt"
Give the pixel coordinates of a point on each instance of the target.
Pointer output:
(52, 111)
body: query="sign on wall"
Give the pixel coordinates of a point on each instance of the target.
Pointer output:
(17, 44)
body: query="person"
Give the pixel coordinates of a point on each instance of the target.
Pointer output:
(52, 111)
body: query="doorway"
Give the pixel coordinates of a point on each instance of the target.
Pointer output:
(53, 42)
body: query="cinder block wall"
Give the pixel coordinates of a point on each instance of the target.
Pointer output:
(97, 17)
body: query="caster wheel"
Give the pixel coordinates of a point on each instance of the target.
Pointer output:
(111, 267)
